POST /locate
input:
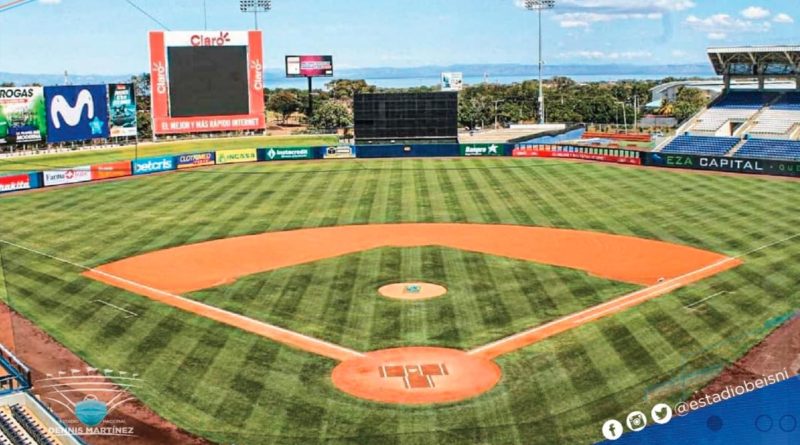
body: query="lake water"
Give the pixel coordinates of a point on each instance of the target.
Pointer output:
(407, 82)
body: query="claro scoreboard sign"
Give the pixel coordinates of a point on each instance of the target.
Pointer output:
(252, 66)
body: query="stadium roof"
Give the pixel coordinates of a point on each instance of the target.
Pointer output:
(750, 61)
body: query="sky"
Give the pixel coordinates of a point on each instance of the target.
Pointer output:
(110, 36)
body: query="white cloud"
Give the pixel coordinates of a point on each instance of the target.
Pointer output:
(755, 13)
(783, 18)
(679, 54)
(50, 2)
(583, 13)
(718, 26)
(610, 56)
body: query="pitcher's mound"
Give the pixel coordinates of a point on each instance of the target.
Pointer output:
(416, 375)
(412, 291)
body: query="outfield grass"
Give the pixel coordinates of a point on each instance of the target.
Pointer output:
(234, 387)
(35, 163)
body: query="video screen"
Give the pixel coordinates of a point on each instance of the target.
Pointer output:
(208, 81)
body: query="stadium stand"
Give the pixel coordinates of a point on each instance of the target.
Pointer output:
(770, 149)
(736, 107)
(781, 120)
(746, 100)
(701, 145)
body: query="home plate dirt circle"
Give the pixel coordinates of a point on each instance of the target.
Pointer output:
(412, 291)
(416, 375)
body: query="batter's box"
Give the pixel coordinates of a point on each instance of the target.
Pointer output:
(414, 376)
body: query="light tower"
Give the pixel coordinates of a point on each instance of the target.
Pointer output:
(255, 6)
(539, 6)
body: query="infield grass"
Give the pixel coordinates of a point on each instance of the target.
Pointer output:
(234, 387)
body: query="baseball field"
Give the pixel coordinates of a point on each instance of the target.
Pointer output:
(236, 292)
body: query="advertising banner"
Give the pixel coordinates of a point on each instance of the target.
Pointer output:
(237, 156)
(76, 113)
(483, 149)
(309, 66)
(618, 156)
(452, 81)
(340, 152)
(723, 164)
(15, 182)
(23, 118)
(111, 170)
(287, 153)
(194, 160)
(153, 165)
(122, 107)
(72, 175)
(164, 122)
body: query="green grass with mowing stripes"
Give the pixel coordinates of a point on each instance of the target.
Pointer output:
(42, 162)
(235, 387)
(487, 298)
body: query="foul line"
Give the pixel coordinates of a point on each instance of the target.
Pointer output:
(272, 332)
(692, 305)
(130, 314)
(533, 335)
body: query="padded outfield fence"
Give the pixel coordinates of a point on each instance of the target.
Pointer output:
(159, 164)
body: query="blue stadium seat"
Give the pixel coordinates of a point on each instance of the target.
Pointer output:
(701, 145)
(770, 149)
(789, 101)
(746, 99)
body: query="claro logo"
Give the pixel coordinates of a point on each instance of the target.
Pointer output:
(258, 78)
(201, 40)
(161, 77)
(60, 109)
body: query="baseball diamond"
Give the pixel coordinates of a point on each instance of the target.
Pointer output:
(261, 311)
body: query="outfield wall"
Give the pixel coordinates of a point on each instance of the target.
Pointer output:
(159, 164)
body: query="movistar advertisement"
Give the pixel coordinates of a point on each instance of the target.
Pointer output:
(23, 118)
(76, 113)
(122, 110)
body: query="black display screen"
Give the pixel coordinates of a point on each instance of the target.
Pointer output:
(406, 116)
(208, 81)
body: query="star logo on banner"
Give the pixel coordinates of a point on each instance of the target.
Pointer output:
(493, 148)
(96, 125)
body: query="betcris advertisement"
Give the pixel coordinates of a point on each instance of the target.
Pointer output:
(76, 113)
(153, 165)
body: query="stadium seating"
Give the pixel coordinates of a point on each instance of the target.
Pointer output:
(31, 425)
(701, 145)
(747, 100)
(770, 149)
(780, 120)
(714, 118)
(736, 106)
(13, 431)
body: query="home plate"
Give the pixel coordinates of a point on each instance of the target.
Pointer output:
(416, 375)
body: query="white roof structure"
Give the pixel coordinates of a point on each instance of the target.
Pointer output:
(753, 61)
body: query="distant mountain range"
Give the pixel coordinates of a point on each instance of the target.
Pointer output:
(494, 71)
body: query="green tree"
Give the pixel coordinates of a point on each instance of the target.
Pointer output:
(284, 103)
(332, 115)
(688, 102)
(346, 89)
